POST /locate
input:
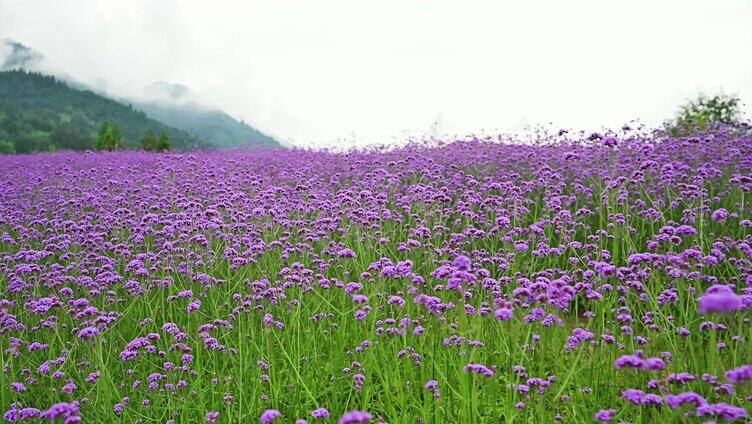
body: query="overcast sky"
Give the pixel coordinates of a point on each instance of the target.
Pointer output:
(315, 71)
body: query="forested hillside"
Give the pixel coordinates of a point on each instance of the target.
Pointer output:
(41, 113)
(212, 125)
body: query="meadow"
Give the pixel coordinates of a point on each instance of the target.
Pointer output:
(601, 277)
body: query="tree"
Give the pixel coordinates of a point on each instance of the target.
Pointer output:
(151, 144)
(148, 142)
(163, 144)
(66, 136)
(699, 115)
(6, 147)
(116, 137)
(109, 138)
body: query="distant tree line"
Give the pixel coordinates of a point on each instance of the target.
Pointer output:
(109, 138)
(152, 144)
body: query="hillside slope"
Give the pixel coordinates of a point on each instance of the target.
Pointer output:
(212, 125)
(41, 113)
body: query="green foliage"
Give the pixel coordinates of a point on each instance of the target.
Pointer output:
(151, 144)
(6, 147)
(109, 138)
(66, 136)
(39, 113)
(699, 115)
(148, 142)
(163, 143)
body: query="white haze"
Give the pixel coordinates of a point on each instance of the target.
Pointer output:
(351, 72)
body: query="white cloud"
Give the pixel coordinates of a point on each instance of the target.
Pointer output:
(318, 71)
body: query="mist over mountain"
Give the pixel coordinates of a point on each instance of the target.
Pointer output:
(173, 105)
(176, 105)
(168, 92)
(213, 126)
(14, 55)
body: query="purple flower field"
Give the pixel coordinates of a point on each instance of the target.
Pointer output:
(606, 278)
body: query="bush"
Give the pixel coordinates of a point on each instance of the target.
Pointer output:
(699, 115)
(6, 147)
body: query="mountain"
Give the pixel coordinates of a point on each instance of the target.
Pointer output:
(173, 105)
(213, 126)
(42, 113)
(177, 106)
